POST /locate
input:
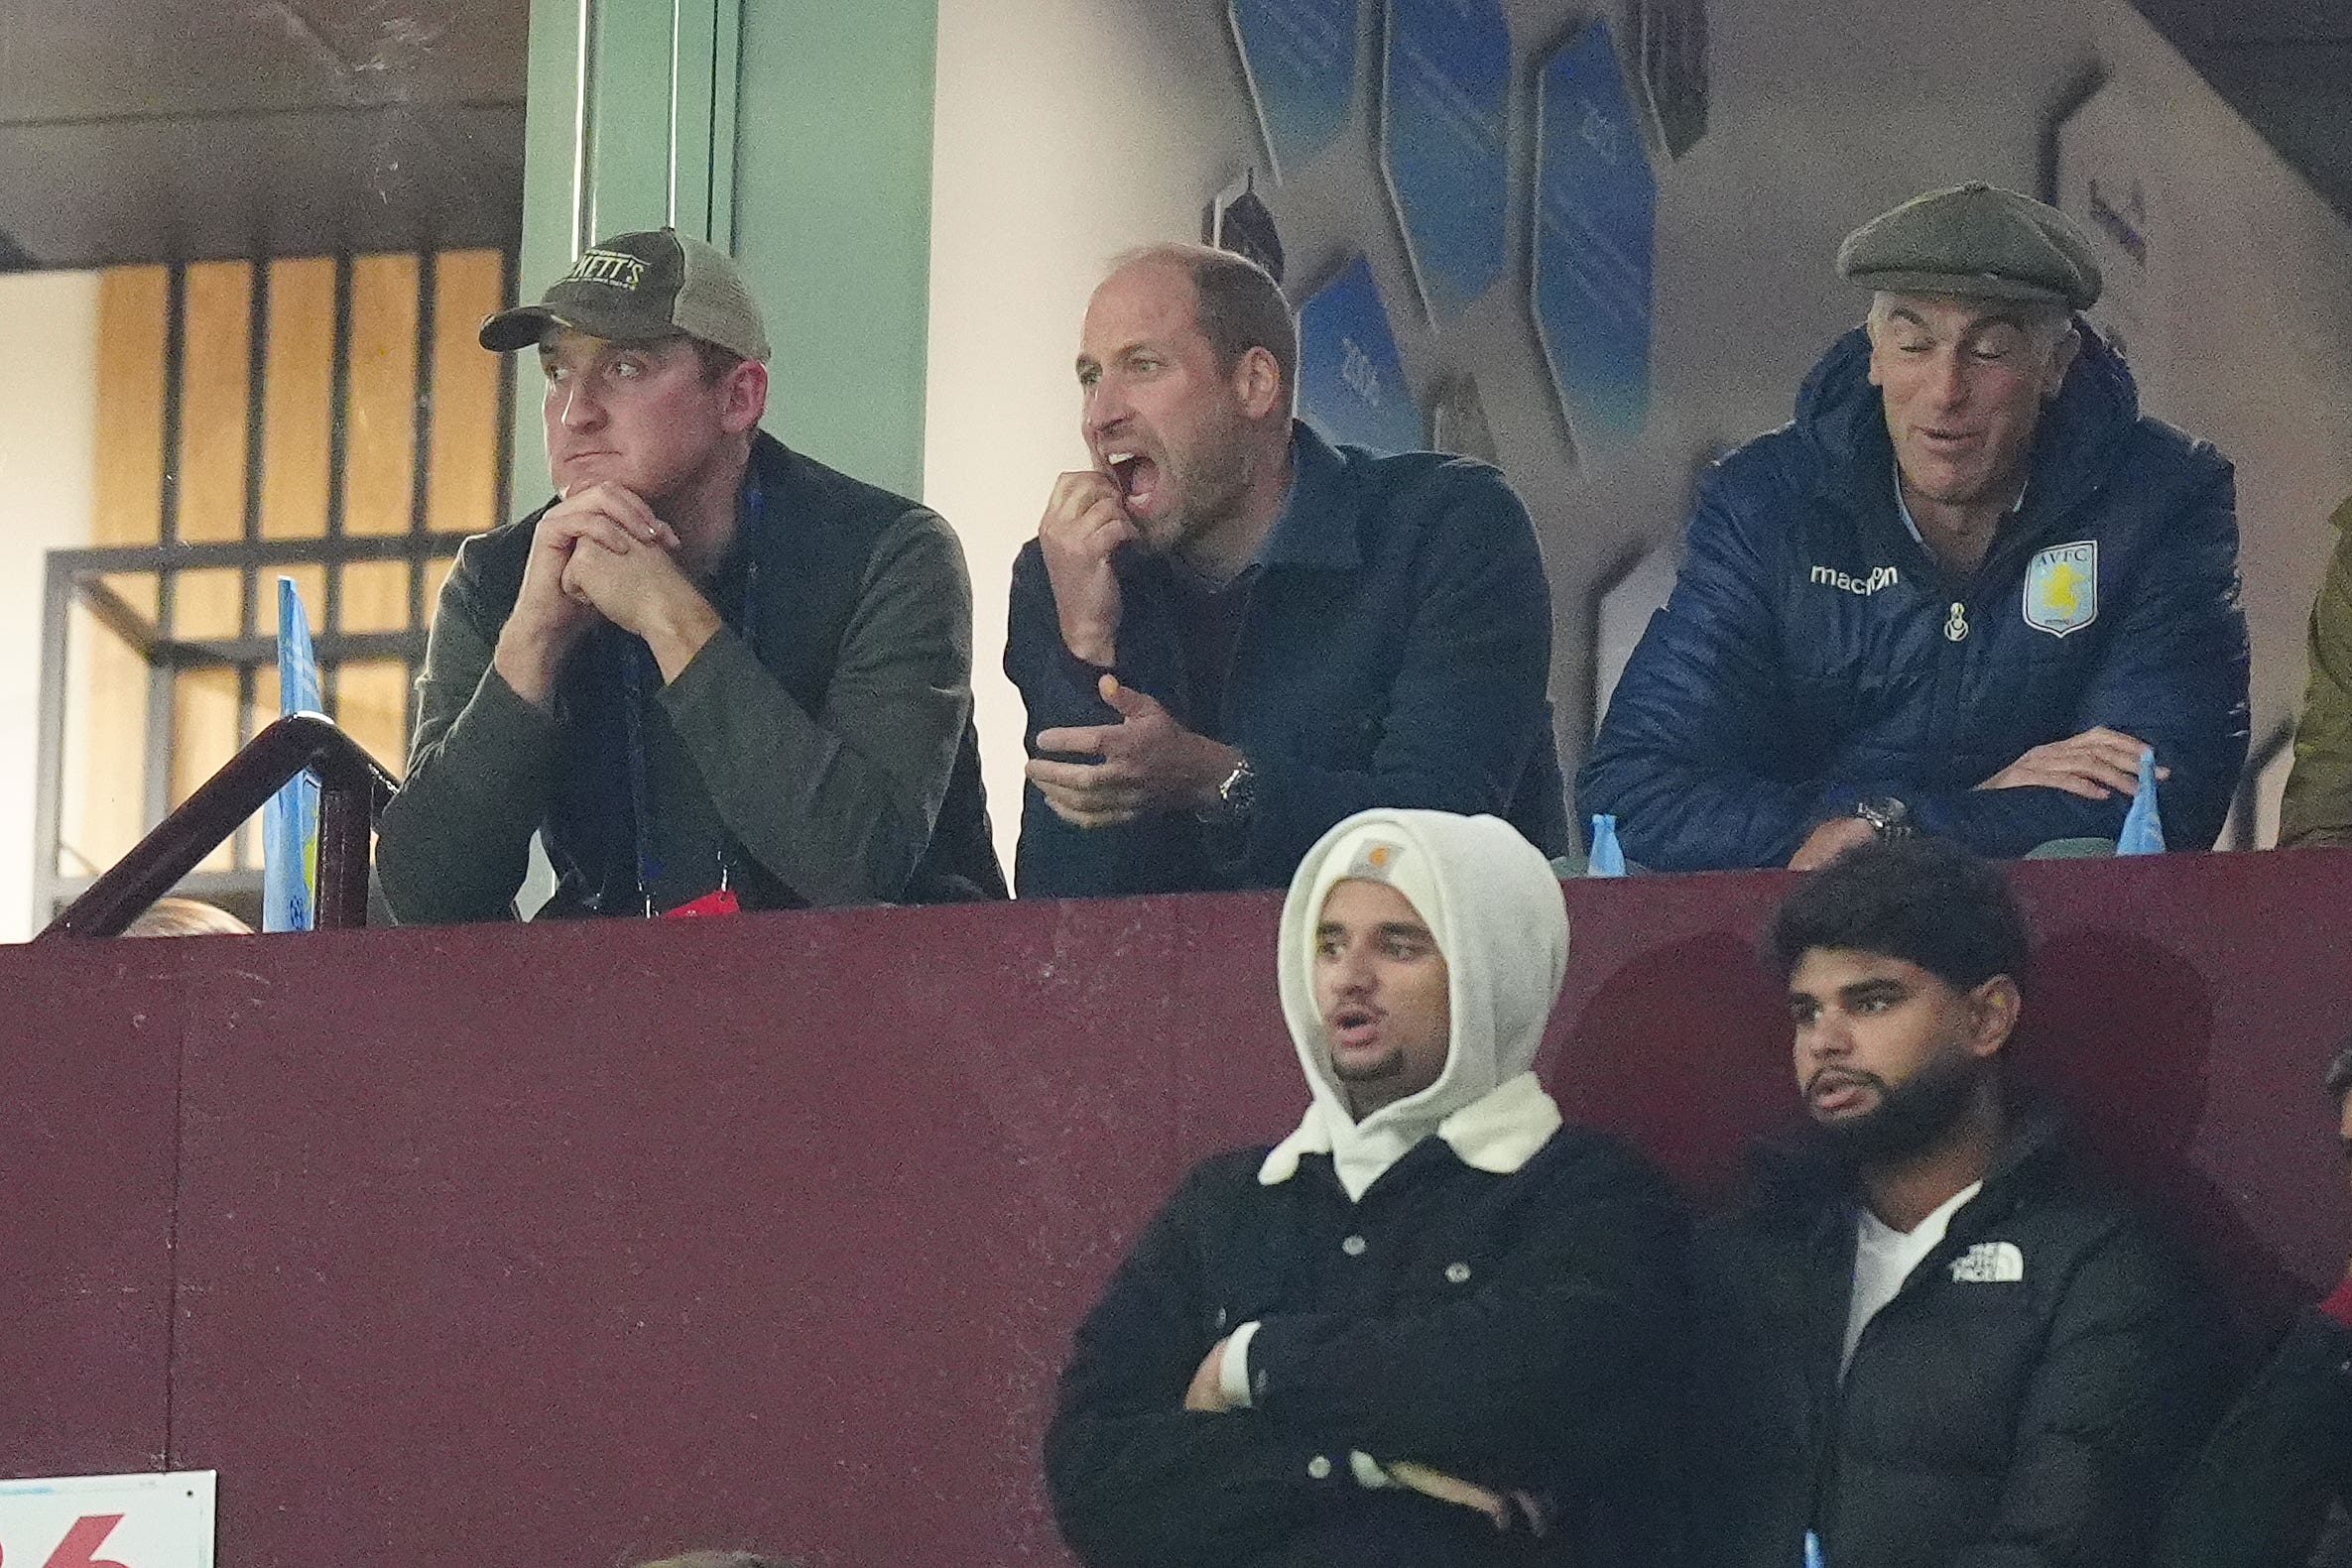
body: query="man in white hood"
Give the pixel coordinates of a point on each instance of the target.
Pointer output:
(1434, 1326)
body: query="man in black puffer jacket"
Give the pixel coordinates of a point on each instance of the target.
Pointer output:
(1930, 1341)
(1963, 589)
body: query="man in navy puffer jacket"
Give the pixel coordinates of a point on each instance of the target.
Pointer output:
(1957, 596)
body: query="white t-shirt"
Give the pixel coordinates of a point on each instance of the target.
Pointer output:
(1884, 1258)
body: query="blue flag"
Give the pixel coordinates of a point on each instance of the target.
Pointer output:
(289, 822)
(1606, 858)
(2144, 825)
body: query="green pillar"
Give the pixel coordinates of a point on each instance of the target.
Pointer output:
(832, 218)
(795, 134)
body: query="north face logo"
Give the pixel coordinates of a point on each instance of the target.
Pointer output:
(1989, 1263)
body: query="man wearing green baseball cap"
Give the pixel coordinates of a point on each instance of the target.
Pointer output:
(1961, 594)
(711, 672)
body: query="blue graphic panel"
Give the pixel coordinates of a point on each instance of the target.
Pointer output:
(1595, 227)
(1449, 94)
(1351, 380)
(1301, 60)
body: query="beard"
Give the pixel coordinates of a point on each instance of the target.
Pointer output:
(1910, 1117)
(1212, 481)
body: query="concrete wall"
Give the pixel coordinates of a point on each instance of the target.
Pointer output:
(2238, 307)
(48, 407)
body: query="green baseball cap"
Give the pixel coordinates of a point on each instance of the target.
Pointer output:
(1977, 241)
(642, 288)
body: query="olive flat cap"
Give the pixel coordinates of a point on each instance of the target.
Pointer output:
(1977, 241)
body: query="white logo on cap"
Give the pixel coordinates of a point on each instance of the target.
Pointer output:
(612, 268)
(1375, 861)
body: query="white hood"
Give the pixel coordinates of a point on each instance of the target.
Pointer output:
(1493, 903)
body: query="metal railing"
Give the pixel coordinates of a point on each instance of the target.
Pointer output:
(352, 790)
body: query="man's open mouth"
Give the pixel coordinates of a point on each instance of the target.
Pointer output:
(1136, 475)
(1832, 1090)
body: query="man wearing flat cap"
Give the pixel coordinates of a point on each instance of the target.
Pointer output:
(711, 674)
(1958, 596)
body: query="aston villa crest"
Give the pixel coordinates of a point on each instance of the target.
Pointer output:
(2062, 588)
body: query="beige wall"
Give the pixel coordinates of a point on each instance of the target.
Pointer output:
(2241, 310)
(1051, 156)
(47, 460)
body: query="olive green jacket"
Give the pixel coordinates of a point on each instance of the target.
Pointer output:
(2318, 805)
(828, 755)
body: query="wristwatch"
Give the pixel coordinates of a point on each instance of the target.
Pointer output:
(1888, 817)
(1235, 796)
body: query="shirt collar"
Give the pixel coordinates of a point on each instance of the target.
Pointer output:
(734, 567)
(1313, 527)
(1928, 1234)
(1903, 508)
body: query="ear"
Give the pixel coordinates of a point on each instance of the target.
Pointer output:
(1993, 1011)
(745, 393)
(1258, 383)
(2061, 360)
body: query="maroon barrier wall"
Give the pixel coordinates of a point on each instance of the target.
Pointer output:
(577, 1245)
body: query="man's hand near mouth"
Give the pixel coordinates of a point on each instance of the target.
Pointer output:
(1085, 520)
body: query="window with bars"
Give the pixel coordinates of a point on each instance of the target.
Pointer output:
(328, 418)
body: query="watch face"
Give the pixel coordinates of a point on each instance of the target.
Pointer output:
(1237, 791)
(1889, 818)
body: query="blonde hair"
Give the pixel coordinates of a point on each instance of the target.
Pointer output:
(186, 918)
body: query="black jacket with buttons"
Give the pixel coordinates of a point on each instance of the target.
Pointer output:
(1520, 1331)
(2023, 1402)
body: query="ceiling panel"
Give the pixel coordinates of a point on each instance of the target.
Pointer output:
(151, 130)
(293, 183)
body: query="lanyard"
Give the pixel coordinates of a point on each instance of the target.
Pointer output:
(639, 675)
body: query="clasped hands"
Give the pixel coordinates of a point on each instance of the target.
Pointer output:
(600, 553)
(1507, 1511)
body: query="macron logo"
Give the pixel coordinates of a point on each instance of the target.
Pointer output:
(1990, 1264)
(1843, 582)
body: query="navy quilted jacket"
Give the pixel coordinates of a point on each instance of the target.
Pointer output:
(1394, 652)
(1813, 653)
